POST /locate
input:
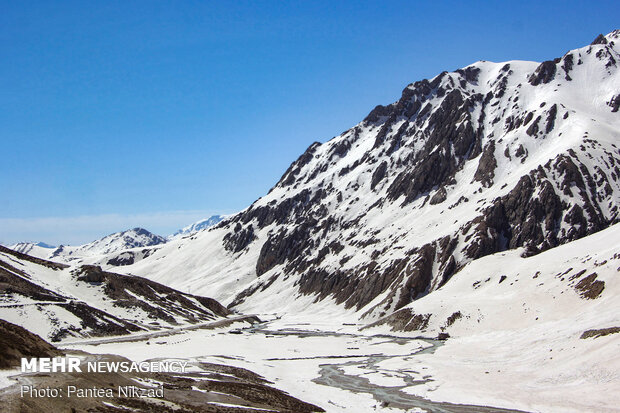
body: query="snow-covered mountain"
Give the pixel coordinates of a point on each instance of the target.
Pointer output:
(92, 251)
(197, 226)
(489, 158)
(118, 241)
(57, 301)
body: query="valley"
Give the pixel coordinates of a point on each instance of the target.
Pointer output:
(456, 251)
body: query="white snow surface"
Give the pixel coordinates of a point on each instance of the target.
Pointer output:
(525, 331)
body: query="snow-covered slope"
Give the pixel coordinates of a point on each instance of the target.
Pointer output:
(39, 249)
(546, 326)
(197, 226)
(57, 300)
(489, 158)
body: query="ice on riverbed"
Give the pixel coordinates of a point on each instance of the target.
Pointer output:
(5, 377)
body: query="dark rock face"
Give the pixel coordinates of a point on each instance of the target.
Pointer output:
(121, 260)
(600, 39)
(282, 245)
(448, 145)
(553, 111)
(239, 239)
(543, 74)
(486, 168)
(615, 103)
(568, 65)
(443, 336)
(131, 242)
(439, 196)
(452, 319)
(26, 257)
(95, 321)
(405, 320)
(530, 215)
(14, 281)
(279, 213)
(129, 257)
(291, 173)
(600, 332)
(259, 394)
(471, 73)
(22, 286)
(17, 342)
(533, 129)
(378, 175)
(437, 168)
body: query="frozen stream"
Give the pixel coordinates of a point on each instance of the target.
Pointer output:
(331, 365)
(334, 375)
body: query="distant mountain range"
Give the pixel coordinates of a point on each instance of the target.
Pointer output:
(109, 245)
(197, 226)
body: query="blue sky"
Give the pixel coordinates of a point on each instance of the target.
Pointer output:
(158, 113)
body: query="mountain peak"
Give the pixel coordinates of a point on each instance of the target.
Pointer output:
(600, 39)
(198, 226)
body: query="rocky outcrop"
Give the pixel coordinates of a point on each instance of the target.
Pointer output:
(544, 73)
(239, 239)
(486, 168)
(35, 260)
(159, 301)
(601, 332)
(589, 287)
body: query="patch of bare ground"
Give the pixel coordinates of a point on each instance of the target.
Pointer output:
(600, 332)
(455, 316)
(589, 287)
(17, 342)
(212, 388)
(403, 320)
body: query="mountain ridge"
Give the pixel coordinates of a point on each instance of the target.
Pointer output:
(57, 300)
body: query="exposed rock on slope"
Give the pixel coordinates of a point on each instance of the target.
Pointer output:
(17, 342)
(206, 388)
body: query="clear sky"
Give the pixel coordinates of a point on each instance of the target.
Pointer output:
(117, 114)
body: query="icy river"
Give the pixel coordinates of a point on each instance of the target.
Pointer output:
(339, 369)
